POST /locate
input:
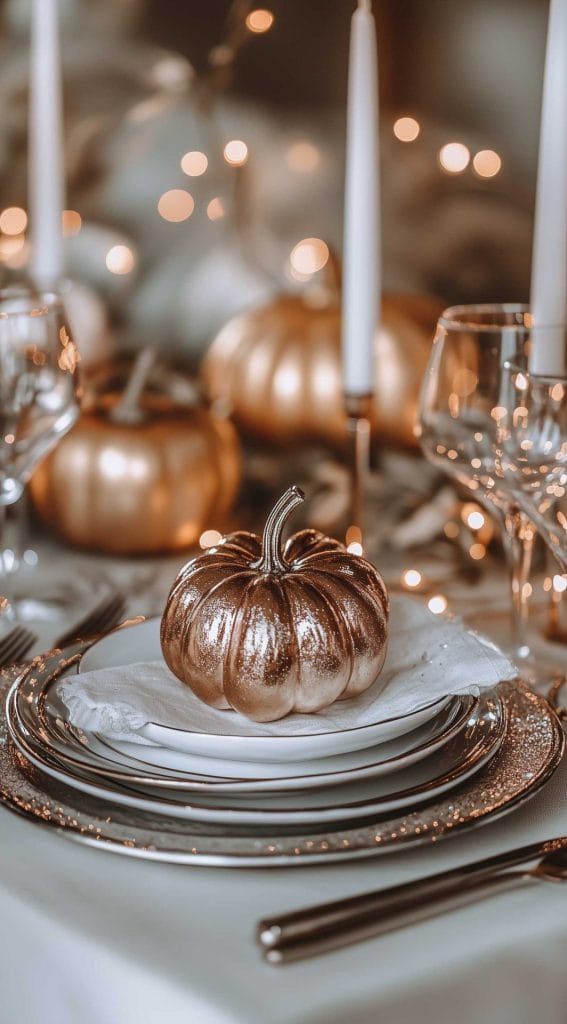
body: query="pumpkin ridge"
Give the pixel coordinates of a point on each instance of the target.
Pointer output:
(191, 571)
(213, 590)
(336, 613)
(281, 583)
(332, 572)
(365, 594)
(235, 624)
(208, 559)
(197, 606)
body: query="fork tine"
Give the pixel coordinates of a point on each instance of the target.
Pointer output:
(106, 614)
(23, 646)
(10, 639)
(113, 614)
(15, 644)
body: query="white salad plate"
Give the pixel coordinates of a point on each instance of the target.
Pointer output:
(250, 776)
(229, 735)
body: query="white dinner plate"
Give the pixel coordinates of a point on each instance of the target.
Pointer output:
(455, 762)
(229, 735)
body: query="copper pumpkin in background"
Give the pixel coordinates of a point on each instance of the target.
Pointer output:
(137, 488)
(267, 632)
(277, 369)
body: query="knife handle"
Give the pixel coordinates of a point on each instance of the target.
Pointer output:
(299, 924)
(384, 914)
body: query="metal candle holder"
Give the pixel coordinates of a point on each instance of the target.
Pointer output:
(556, 629)
(357, 408)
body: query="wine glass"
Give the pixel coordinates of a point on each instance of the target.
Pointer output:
(38, 388)
(530, 450)
(462, 394)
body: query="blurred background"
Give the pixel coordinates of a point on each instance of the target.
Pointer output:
(205, 140)
(204, 167)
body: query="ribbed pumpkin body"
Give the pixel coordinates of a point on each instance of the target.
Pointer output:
(267, 643)
(139, 488)
(278, 369)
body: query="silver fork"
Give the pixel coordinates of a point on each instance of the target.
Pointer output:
(15, 645)
(107, 613)
(104, 615)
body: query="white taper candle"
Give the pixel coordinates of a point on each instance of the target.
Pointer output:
(361, 246)
(45, 160)
(549, 259)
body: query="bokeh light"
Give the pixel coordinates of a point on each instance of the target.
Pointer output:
(454, 157)
(236, 152)
(411, 578)
(437, 604)
(559, 584)
(309, 256)
(210, 538)
(70, 223)
(486, 163)
(259, 20)
(120, 259)
(355, 548)
(11, 245)
(13, 220)
(215, 209)
(406, 129)
(194, 163)
(176, 205)
(475, 520)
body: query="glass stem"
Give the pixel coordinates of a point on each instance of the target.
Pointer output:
(518, 539)
(3, 520)
(7, 614)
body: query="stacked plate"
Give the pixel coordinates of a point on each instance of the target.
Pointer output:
(180, 783)
(246, 778)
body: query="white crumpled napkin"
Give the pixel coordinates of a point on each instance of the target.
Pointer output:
(428, 657)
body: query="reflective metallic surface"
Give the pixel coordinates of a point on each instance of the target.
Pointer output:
(530, 754)
(139, 488)
(460, 758)
(267, 633)
(277, 369)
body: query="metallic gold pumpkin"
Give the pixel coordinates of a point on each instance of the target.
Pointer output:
(137, 488)
(277, 369)
(266, 633)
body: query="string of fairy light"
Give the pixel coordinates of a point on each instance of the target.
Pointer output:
(176, 205)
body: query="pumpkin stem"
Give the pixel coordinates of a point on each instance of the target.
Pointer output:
(272, 559)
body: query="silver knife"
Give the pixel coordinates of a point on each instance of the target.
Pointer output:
(317, 929)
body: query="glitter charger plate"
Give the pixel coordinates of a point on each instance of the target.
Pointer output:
(529, 755)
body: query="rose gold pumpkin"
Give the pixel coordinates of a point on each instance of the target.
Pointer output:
(266, 633)
(139, 488)
(277, 369)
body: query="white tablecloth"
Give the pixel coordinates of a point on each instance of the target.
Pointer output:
(88, 937)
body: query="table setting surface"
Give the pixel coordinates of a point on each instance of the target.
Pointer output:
(158, 932)
(283, 629)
